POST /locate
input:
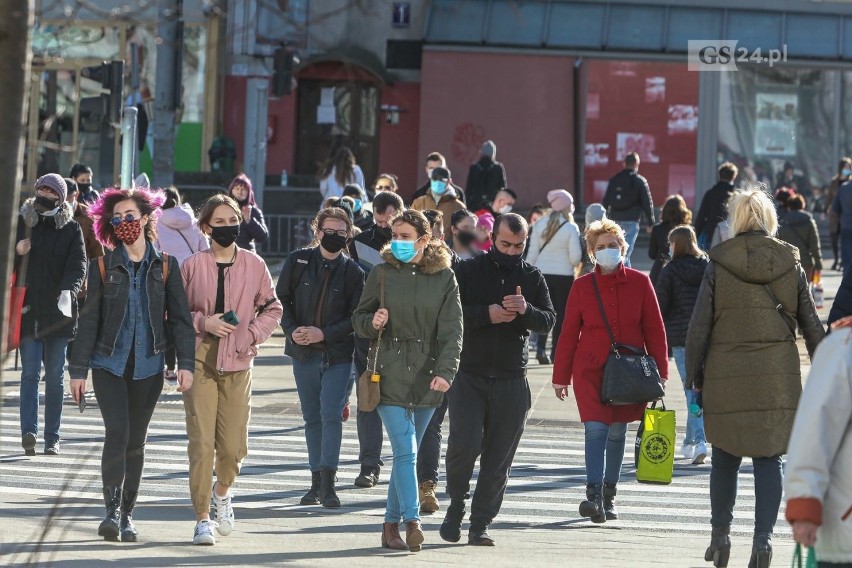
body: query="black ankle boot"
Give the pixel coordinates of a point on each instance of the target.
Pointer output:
(327, 494)
(312, 496)
(720, 547)
(128, 531)
(542, 358)
(593, 507)
(109, 528)
(451, 527)
(609, 492)
(761, 551)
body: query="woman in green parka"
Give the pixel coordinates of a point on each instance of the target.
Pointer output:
(421, 339)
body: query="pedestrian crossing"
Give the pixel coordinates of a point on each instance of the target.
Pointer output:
(546, 486)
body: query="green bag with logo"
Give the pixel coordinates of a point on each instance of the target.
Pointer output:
(655, 445)
(808, 562)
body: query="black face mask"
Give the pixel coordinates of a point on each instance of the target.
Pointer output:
(225, 236)
(384, 232)
(43, 204)
(333, 243)
(507, 261)
(466, 238)
(84, 187)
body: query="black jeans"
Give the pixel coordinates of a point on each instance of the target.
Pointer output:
(559, 287)
(370, 434)
(126, 407)
(487, 418)
(834, 565)
(429, 454)
(768, 480)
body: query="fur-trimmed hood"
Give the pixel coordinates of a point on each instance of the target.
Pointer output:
(436, 258)
(30, 215)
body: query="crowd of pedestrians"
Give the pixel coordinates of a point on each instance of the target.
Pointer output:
(438, 302)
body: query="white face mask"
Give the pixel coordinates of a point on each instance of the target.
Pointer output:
(505, 209)
(609, 258)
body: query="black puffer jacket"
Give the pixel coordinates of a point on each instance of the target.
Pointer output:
(56, 262)
(800, 230)
(658, 248)
(677, 291)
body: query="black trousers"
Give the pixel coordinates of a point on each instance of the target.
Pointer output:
(126, 407)
(370, 432)
(559, 288)
(429, 454)
(487, 419)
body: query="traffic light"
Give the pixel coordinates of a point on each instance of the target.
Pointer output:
(110, 74)
(284, 62)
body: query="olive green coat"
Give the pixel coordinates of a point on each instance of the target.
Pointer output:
(741, 352)
(423, 336)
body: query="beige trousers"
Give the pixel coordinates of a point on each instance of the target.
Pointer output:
(218, 408)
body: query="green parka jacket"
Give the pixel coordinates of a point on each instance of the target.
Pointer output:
(423, 336)
(739, 348)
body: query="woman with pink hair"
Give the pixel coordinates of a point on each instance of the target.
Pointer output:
(252, 227)
(122, 338)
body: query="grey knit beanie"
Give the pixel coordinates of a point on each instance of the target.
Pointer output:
(54, 182)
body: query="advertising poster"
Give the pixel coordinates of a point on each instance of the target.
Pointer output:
(775, 125)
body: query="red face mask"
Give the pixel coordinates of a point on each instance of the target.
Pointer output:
(128, 231)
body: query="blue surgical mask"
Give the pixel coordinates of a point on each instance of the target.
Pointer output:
(357, 206)
(438, 187)
(609, 258)
(846, 173)
(403, 251)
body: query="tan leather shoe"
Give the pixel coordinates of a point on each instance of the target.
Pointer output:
(391, 537)
(413, 535)
(428, 499)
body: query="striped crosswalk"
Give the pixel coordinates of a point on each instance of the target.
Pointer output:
(547, 483)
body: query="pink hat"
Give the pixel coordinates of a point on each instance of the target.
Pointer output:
(560, 199)
(486, 221)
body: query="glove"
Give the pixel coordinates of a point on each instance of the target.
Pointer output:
(65, 303)
(697, 407)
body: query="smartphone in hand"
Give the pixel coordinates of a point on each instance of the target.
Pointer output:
(231, 318)
(82, 403)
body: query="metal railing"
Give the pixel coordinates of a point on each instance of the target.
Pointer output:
(286, 233)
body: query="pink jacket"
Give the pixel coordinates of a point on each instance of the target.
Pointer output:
(248, 290)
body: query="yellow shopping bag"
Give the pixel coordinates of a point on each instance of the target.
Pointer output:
(655, 445)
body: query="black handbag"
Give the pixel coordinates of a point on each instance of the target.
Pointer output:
(631, 378)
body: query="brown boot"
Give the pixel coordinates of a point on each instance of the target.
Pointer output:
(428, 499)
(413, 535)
(391, 538)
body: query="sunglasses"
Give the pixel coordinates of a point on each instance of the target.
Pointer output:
(116, 221)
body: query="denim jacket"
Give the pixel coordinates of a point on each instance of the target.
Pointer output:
(106, 328)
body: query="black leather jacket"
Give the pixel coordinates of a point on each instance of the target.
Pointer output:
(101, 318)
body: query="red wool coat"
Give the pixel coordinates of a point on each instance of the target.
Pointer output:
(634, 315)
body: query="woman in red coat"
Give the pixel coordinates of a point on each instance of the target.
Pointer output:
(634, 316)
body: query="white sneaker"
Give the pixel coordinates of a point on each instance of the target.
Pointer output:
(700, 453)
(204, 533)
(223, 513)
(687, 451)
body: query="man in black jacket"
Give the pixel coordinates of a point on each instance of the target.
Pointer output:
(51, 263)
(713, 208)
(627, 199)
(435, 160)
(503, 300)
(485, 177)
(370, 434)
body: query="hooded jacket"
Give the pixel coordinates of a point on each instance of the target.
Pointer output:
(484, 179)
(500, 351)
(448, 205)
(800, 230)
(739, 348)
(178, 234)
(818, 473)
(677, 291)
(423, 336)
(56, 262)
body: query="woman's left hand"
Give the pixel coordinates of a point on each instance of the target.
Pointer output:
(184, 379)
(439, 384)
(561, 392)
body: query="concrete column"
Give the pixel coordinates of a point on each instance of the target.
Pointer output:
(709, 83)
(257, 108)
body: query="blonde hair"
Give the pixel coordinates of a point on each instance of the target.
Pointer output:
(554, 222)
(752, 209)
(602, 227)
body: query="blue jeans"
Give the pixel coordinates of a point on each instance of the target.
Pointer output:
(405, 428)
(52, 351)
(322, 393)
(631, 231)
(694, 424)
(768, 482)
(604, 441)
